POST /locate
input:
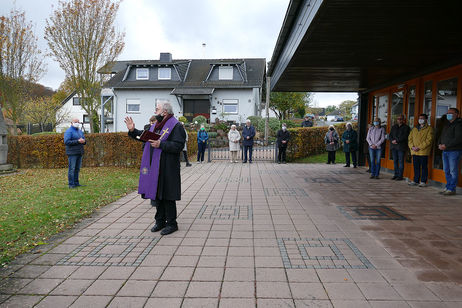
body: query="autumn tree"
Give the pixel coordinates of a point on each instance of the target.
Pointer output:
(44, 110)
(283, 104)
(82, 38)
(345, 108)
(21, 63)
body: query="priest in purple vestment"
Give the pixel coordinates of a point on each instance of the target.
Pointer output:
(160, 178)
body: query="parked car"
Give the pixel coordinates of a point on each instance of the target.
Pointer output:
(339, 119)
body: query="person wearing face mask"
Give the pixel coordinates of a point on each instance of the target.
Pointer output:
(420, 143)
(233, 137)
(399, 134)
(350, 145)
(160, 178)
(283, 137)
(248, 133)
(332, 144)
(375, 138)
(202, 138)
(74, 141)
(450, 142)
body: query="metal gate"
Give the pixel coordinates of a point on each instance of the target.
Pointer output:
(219, 150)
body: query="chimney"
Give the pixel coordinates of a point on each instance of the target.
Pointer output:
(165, 57)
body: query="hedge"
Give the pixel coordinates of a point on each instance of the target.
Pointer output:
(103, 149)
(307, 141)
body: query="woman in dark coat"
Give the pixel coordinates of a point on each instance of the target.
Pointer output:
(283, 137)
(350, 145)
(332, 144)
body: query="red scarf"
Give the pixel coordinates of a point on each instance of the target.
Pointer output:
(159, 125)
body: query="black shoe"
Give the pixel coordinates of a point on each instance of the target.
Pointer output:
(399, 178)
(348, 166)
(354, 166)
(279, 162)
(394, 177)
(377, 177)
(72, 186)
(328, 163)
(157, 227)
(372, 176)
(188, 165)
(250, 161)
(284, 162)
(78, 185)
(244, 162)
(168, 230)
(368, 170)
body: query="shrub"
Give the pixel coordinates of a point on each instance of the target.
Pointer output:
(108, 149)
(200, 120)
(212, 135)
(183, 119)
(222, 125)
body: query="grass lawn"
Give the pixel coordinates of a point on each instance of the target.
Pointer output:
(37, 203)
(322, 158)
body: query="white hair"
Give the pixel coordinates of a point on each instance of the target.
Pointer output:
(233, 126)
(247, 121)
(166, 106)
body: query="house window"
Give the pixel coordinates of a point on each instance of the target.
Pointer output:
(133, 105)
(225, 73)
(164, 73)
(76, 101)
(142, 74)
(86, 119)
(230, 106)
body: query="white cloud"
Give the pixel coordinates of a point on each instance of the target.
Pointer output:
(324, 99)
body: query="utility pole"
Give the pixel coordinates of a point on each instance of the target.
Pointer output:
(268, 89)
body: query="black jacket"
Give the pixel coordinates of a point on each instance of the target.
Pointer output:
(308, 123)
(282, 135)
(169, 184)
(451, 136)
(400, 134)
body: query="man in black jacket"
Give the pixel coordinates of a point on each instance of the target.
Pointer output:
(160, 178)
(450, 143)
(398, 139)
(283, 137)
(308, 122)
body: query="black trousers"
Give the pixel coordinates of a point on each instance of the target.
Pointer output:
(185, 155)
(201, 151)
(282, 154)
(330, 157)
(248, 148)
(353, 157)
(166, 213)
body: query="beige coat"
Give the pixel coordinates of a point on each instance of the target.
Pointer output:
(234, 135)
(422, 139)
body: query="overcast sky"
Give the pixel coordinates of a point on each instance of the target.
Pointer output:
(229, 28)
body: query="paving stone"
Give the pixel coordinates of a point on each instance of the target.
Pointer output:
(200, 302)
(103, 287)
(128, 302)
(21, 301)
(91, 301)
(117, 272)
(203, 289)
(208, 274)
(72, 287)
(147, 273)
(177, 273)
(170, 289)
(137, 288)
(378, 291)
(415, 291)
(237, 302)
(275, 303)
(308, 290)
(164, 302)
(40, 286)
(88, 272)
(30, 271)
(59, 272)
(239, 289)
(351, 304)
(273, 290)
(339, 290)
(56, 301)
(13, 285)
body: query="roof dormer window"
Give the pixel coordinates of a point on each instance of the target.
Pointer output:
(164, 73)
(142, 74)
(225, 73)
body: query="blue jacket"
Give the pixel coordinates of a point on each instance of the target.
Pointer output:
(248, 132)
(71, 140)
(202, 136)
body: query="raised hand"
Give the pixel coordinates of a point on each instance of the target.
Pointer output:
(130, 124)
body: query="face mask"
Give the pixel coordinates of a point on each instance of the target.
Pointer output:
(284, 128)
(331, 128)
(421, 121)
(450, 116)
(349, 127)
(159, 117)
(76, 124)
(376, 123)
(202, 128)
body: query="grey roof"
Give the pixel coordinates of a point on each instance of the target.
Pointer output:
(193, 74)
(192, 91)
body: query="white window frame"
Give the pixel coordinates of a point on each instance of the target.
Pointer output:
(79, 102)
(132, 102)
(164, 69)
(225, 72)
(231, 102)
(139, 76)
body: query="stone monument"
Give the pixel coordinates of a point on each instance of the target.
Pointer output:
(4, 167)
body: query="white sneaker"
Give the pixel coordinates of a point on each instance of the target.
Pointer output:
(412, 183)
(443, 191)
(422, 184)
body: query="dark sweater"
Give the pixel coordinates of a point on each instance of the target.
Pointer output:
(451, 136)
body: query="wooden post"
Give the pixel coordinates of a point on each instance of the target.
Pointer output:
(268, 89)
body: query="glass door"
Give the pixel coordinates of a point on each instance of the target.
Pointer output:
(382, 114)
(397, 107)
(411, 96)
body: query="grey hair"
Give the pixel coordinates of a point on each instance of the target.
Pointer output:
(233, 126)
(247, 121)
(166, 106)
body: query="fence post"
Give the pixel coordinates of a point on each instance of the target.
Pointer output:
(276, 149)
(208, 152)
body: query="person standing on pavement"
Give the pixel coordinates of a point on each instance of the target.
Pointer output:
(420, 143)
(450, 143)
(248, 133)
(185, 149)
(332, 144)
(375, 138)
(160, 178)
(399, 143)
(283, 137)
(307, 122)
(74, 140)
(233, 138)
(350, 145)
(202, 138)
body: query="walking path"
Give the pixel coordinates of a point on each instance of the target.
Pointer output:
(266, 235)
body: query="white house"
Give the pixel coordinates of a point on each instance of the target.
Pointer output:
(354, 111)
(228, 89)
(333, 116)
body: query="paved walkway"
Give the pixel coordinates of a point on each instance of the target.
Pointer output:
(263, 235)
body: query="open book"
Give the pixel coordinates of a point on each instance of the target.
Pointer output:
(148, 135)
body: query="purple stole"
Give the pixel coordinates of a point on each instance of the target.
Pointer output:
(149, 171)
